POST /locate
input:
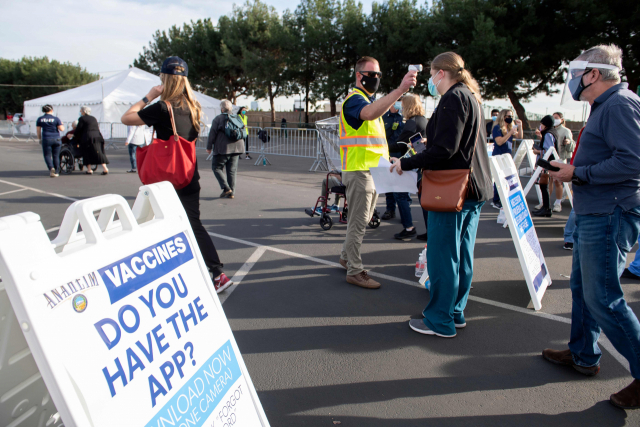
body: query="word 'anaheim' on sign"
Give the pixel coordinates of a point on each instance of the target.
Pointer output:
(145, 342)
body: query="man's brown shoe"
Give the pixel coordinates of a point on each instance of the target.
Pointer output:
(363, 280)
(628, 397)
(344, 264)
(564, 357)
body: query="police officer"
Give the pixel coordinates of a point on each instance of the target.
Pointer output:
(393, 126)
(362, 143)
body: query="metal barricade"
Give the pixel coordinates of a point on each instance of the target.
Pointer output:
(6, 129)
(105, 131)
(119, 131)
(301, 143)
(255, 144)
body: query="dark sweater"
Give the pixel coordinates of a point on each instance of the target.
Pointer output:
(451, 135)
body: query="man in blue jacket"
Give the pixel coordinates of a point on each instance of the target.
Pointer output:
(606, 196)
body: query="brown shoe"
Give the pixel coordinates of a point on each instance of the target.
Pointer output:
(344, 264)
(363, 280)
(564, 357)
(628, 397)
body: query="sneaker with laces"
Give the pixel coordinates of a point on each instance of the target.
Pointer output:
(334, 209)
(221, 283)
(52, 173)
(363, 280)
(419, 326)
(405, 234)
(557, 207)
(568, 246)
(388, 215)
(538, 206)
(495, 205)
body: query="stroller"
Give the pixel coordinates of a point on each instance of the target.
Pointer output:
(325, 220)
(70, 157)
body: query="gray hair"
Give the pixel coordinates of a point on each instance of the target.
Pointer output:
(604, 54)
(74, 123)
(85, 110)
(226, 106)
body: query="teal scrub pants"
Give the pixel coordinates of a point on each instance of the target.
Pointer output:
(451, 239)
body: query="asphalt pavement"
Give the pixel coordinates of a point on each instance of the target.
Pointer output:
(322, 352)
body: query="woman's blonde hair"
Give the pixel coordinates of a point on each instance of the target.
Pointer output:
(411, 106)
(504, 127)
(177, 91)
(452, 63)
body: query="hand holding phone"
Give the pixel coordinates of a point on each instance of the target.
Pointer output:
(415, 139)
(546, 165)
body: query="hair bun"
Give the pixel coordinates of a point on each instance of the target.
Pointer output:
(460, 70)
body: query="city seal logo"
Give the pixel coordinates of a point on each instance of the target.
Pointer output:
(79, 303)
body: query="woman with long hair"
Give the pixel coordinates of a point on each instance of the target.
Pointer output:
(176, 90)
(456, 136)
(416, 122)
(505, 128)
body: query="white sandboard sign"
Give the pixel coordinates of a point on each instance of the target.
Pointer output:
(521, 227)
(122, 318)
(538, 170)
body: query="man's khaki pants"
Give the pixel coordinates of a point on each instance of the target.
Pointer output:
(361, 199)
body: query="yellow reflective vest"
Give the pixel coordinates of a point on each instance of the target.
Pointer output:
(244, 117)
(361, 148)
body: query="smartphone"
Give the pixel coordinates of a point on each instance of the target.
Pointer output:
(546, 165)
(416, 139)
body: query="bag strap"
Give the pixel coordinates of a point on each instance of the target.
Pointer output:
(475, 144)
(173, 123)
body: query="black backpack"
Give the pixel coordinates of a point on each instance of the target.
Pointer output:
(262, 135)
(234, 128)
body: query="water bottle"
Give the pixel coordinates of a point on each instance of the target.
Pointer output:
(264, 161)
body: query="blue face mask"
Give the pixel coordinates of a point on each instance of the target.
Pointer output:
(433, 88)
(397, 106)
(576, 87)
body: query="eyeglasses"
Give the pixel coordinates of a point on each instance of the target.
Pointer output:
(371, 73)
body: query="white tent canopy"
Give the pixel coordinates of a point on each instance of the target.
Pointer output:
(109, 98)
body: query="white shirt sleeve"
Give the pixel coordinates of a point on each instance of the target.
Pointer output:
(131, 131)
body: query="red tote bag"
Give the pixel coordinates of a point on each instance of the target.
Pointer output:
(173, 160)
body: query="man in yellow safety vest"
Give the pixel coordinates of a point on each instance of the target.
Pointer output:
(362, 143)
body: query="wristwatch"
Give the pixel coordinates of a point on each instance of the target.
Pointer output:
(577, 181)
(145, 100)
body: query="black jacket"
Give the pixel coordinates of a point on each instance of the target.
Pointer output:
(451, 136)
(414, 125)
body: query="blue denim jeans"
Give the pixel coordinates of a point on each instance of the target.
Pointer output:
(450, 244)
(601, 244)
(570, 227)
(404, 206)
(51, 152)
(132, 155)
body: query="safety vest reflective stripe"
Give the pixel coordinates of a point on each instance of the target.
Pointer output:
(361, 148)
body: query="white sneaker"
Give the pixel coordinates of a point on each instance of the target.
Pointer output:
(557, 207)
(536, 207)
(52, 173)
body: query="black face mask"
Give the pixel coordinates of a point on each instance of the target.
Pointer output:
(370, 84)
(508, 120)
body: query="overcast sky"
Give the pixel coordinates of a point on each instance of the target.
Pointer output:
(107, 35)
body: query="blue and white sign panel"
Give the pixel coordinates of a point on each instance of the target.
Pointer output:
(523, 232)
(127, 331)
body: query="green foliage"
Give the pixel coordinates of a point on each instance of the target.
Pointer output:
(36, 71)
(514, 48)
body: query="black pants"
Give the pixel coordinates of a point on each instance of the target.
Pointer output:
(191, 204)
(544, 189)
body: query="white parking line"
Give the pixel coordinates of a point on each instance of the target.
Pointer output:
(604, 341)
(243, 271)
(39, 191)
(13, 191)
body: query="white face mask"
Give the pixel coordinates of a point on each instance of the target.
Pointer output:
(557, 122)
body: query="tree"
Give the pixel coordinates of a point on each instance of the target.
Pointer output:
(266, 49)
(36, 74)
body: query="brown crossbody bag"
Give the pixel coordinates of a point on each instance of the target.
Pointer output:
(446, 191)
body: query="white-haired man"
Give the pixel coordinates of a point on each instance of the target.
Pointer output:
(226, 150)
(606, 196)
